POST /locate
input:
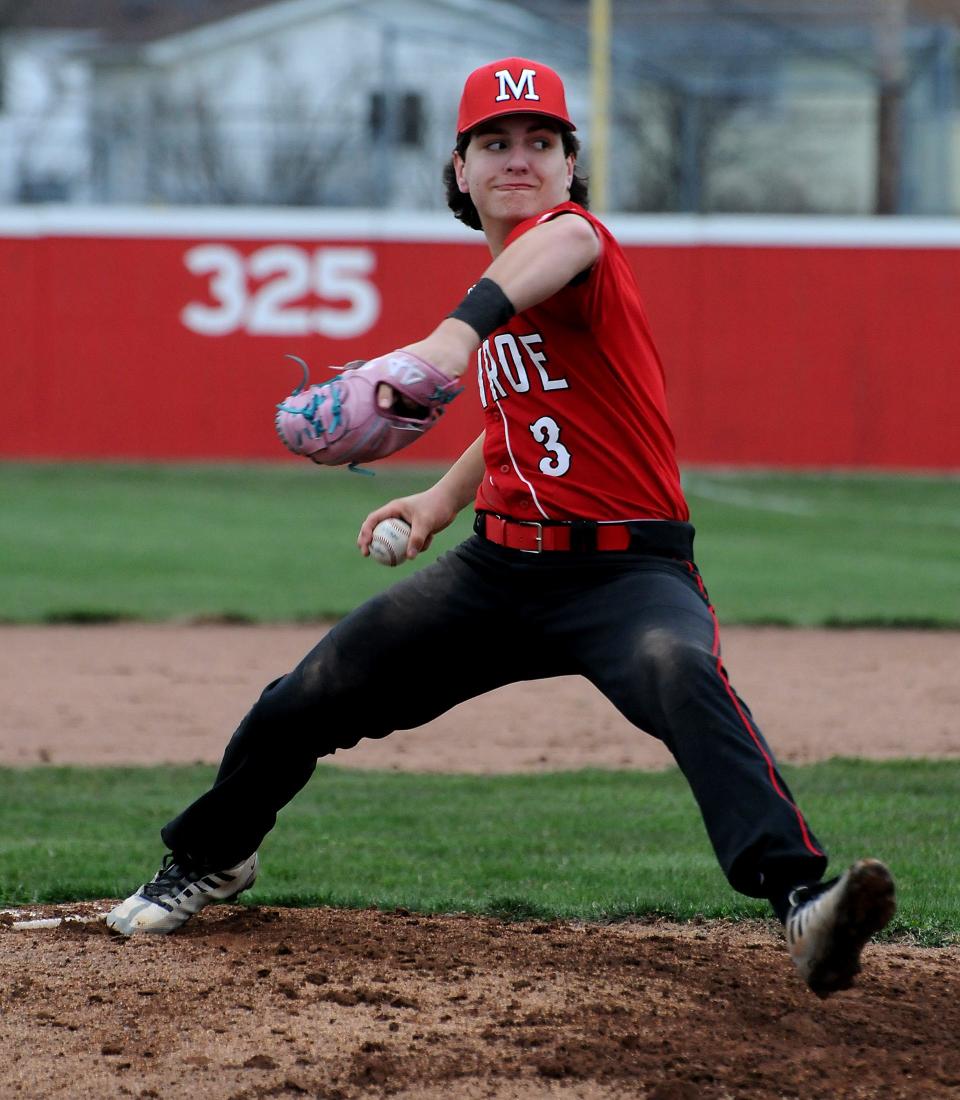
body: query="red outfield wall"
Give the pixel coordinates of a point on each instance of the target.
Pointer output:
(132, 335)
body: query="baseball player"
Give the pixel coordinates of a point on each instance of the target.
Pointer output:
(581, 561)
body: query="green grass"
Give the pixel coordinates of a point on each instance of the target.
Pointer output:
(832, 550)
(593, 845)
(277, 543)
(274, 543)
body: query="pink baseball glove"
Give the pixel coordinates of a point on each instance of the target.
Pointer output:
(338, 423)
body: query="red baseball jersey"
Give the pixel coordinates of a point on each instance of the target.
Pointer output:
(575, 405)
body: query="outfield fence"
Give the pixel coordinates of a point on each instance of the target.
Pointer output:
(161, 335)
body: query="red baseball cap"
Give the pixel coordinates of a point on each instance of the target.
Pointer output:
(514, 85)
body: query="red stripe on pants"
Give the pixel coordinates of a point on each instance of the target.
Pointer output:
(721, 672)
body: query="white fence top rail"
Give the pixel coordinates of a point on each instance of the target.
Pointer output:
(269, 223)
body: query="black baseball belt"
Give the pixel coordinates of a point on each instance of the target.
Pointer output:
(662, 538)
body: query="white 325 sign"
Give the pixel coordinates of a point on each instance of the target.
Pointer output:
(283, 290)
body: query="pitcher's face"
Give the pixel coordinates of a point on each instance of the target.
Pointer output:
(514, 168)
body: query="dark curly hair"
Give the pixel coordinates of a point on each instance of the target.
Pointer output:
(462, 205)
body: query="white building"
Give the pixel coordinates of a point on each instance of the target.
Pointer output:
(45, 85)
(289, 102)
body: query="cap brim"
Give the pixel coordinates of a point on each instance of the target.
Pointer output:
(564, 122)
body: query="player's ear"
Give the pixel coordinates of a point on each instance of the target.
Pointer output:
(458, 167)
(571, 165)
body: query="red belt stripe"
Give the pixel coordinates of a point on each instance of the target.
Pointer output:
(536, 537)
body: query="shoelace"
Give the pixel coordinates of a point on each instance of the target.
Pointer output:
(169, 879)
(804, 894)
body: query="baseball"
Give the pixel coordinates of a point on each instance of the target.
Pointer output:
(389, 544)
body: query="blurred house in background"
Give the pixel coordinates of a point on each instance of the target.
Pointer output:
(297, 102)
(811, 106)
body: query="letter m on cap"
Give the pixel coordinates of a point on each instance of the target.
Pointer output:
(516, 87)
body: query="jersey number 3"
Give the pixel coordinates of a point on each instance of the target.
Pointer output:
(546, 431)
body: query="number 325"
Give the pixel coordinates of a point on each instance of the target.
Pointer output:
(287, 275)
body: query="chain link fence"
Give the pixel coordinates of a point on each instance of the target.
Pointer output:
(717, 107)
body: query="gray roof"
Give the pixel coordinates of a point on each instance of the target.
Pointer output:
(143, 20)
(626, 12)
(123, 20)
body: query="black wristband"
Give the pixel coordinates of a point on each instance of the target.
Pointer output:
(485, 308)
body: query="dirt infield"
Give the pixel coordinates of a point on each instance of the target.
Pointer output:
(333, 1004)
(248, 1003)
(172, 694)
